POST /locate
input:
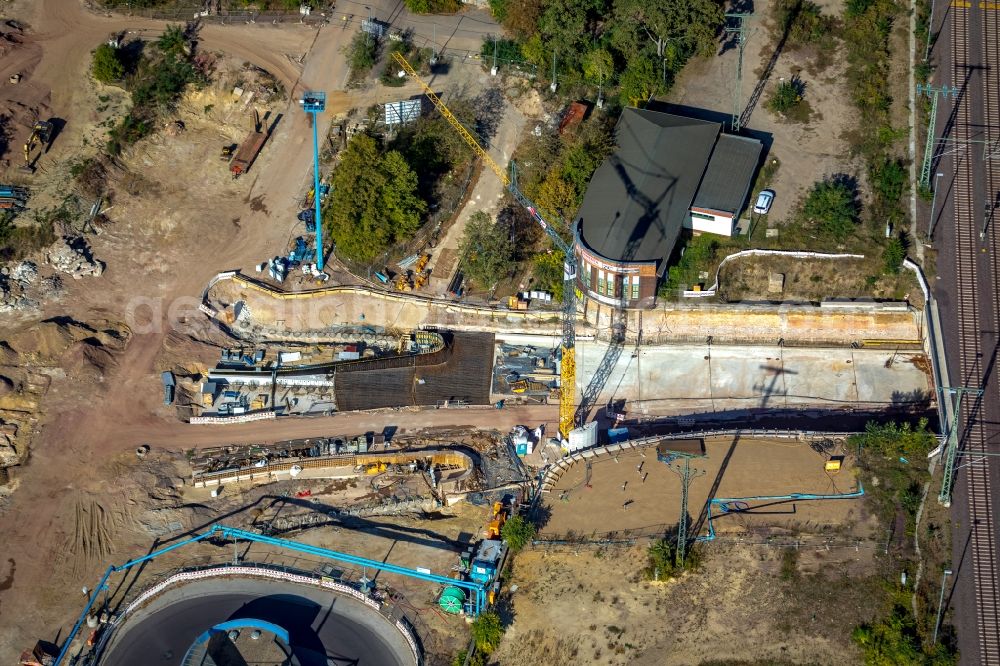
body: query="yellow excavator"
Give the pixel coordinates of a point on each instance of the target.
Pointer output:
(41, 135)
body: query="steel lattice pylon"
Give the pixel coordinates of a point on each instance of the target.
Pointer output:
(687, 473)
(933, 93)
(951, 442)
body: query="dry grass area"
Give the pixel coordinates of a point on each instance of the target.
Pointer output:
(746, 279)
(750, 604)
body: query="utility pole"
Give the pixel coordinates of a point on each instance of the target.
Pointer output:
(951, 441)
(552, 87)
(937, 622)
(740, 30)
(933, 93)
(493, 72)
(314, 103)
(988, 210)
(687, 473)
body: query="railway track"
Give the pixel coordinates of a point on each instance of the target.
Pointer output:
(977, 267)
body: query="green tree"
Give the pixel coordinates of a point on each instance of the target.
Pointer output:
(362, 53)
(893, 255)
(518, 533)
(832, 205)
(556, 197)
(374, 203)
(172, 42)
(487, 630)
(487, 251)
(638, 82)
(547, 267)
(598, 66)
(693, 23)
(107, 65)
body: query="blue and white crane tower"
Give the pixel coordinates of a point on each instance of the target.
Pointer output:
(314, 102)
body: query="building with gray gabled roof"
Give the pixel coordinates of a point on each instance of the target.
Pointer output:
(668, 173)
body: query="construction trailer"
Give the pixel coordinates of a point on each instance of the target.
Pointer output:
(249, 149)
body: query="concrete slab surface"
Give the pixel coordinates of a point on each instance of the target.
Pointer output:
(678, 378)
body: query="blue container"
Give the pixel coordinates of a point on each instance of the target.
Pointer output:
(616, 435)
(522, 449)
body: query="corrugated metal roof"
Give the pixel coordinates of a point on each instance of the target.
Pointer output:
(639, 198)
(727, 178)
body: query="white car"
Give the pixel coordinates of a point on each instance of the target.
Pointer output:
(764, 201)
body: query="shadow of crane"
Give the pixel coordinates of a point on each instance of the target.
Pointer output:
(758, 89)
(648, 220)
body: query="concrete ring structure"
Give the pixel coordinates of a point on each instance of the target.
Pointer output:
(323, 627)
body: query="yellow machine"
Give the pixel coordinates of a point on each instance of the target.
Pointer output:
(41, 134)
(499, 519)
(567, 394)
(520, 386)
(375, 468)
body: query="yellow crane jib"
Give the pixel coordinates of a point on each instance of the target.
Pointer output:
(567, 370)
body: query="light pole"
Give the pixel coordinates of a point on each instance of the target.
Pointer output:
(930, 223)
(937, 622)
(368, 33)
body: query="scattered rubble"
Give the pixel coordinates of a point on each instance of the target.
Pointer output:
(71, 255)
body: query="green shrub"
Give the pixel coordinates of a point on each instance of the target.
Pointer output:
(362, 53)
(107, 65)
(17, 242)
(785, 97)
(832, 205)
(893, 255)
(893, 439)
(518, 533)
(487, 630)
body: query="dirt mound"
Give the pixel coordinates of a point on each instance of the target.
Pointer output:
(46, 341)
(88, 360)
(49, 340)
(7, 355)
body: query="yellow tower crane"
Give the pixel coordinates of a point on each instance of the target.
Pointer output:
(567, 391)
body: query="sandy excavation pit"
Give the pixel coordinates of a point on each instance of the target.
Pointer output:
(748, 467)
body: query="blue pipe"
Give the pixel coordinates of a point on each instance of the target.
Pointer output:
(860, 492)
(234, 533)
(103, 583)
(477, 591)
(83, 615)
(319, 221)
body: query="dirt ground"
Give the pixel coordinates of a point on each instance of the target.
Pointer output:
(634, 491)
(191, 222)
(747, 278)
(593, 606)
(807, 151)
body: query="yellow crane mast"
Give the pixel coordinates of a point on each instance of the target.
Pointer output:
(567, 368)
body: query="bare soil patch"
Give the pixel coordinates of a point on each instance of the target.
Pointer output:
(593, 606)
(747, 279)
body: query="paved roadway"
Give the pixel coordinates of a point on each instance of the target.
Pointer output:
(322, 626)
(967, 294)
